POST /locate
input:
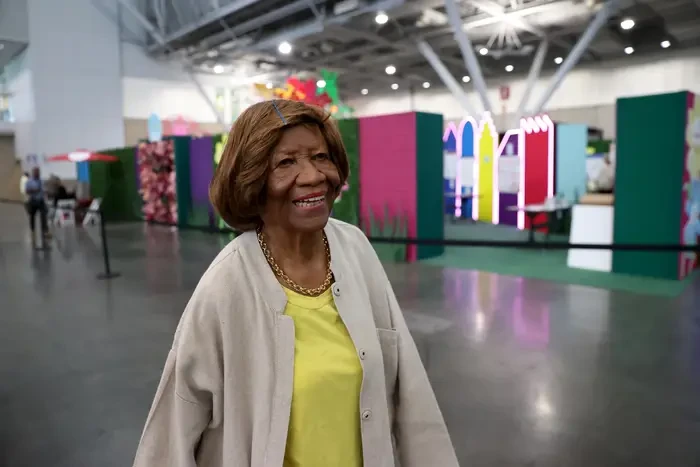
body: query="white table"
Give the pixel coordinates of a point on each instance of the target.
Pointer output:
(591, 224)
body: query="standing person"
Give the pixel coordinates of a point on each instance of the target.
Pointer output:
(23, 186)
(293, 350)
(36, 204)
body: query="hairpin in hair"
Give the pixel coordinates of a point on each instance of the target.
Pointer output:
(274, 104)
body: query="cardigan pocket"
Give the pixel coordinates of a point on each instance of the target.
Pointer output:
(389, 342)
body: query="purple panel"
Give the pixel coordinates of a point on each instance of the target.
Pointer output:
(201, 170)
(201, 167)
(507, 217)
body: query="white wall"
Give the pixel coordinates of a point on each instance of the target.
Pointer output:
(74, 57)
(14, 20)
(593, 88)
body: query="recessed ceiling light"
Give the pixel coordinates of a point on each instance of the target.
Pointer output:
(426, 85)
(268, 85)
(629, 50)
(394, 86)
(509, 68)
(483, 51)
(285, 48)
(218, 69)
(364, 92)
(390, 70)
(466, 79)
(558, 60)
(665, 44)
(321, 83)
(381, 18)
(627, 24)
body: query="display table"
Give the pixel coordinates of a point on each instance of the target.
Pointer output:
(592, 222)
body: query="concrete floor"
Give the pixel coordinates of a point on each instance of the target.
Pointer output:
(527, 373)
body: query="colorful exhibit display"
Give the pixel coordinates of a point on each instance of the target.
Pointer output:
(516, 171)
(400, 167)
(657, 186)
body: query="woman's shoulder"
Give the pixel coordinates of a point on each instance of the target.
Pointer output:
(355, 248)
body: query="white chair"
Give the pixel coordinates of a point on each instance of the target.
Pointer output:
(92, 217)
(65, 213)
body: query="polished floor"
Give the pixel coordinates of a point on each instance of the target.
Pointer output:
(527, 373)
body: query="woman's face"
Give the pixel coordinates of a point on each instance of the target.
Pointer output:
(302, 182)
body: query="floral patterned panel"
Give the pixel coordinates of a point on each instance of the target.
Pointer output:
(157, 180)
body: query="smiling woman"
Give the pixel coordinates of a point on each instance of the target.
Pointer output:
(293, 350)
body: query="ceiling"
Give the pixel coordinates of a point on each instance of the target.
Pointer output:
(241, 37)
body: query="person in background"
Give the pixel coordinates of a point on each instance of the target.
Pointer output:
(23, 186)
(36, 204)
(293, 350)
(605, 183)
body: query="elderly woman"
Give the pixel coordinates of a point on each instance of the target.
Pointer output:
(293, 350)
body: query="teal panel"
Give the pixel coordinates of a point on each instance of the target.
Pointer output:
(429, 183)
(182, 178)
(571, 142)
(649, 169)
(347, 206)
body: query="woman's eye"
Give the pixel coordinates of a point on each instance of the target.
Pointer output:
(321, 157)
(286, 162)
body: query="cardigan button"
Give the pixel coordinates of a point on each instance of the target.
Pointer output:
(336, 290)
(363, 354)
(366, 415)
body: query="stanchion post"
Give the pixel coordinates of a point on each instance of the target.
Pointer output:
(108, 273)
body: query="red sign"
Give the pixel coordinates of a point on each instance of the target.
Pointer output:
(505, 92)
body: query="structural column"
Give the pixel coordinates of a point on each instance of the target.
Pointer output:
(75, 65)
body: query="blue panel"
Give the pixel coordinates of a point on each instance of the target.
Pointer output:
(451, 144)
(570, 162)
(83, 171)
(468, 140)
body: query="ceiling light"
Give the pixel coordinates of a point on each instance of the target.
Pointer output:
(212, 53)
(390, 70)
(483, 51)
(665, 44)
(558, 60)
(509, 68)
(627, 24)
(268, 85)
(381, 18)
(285, 48)
(218, 69)
(629, 50)
(394, 86)
(321, 83)
(364, 92)
(426, 85)
(466, 79)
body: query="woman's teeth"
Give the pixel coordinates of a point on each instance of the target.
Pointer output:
(310, 202)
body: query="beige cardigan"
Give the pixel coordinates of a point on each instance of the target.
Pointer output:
(225, 394)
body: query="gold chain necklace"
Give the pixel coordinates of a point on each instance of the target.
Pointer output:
(293, 285)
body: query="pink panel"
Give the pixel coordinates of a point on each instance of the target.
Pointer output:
(388, 169)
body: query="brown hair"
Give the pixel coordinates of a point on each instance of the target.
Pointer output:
(238, 188)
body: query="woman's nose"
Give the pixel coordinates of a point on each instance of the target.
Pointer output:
(309, 174)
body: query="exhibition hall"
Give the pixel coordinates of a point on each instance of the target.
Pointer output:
(379, 233)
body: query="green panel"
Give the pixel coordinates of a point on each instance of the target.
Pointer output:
(115, 183)
(347, 206)
(429, 183)
(182, 178)
(650, 158)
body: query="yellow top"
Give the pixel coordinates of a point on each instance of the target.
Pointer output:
(324, 427)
